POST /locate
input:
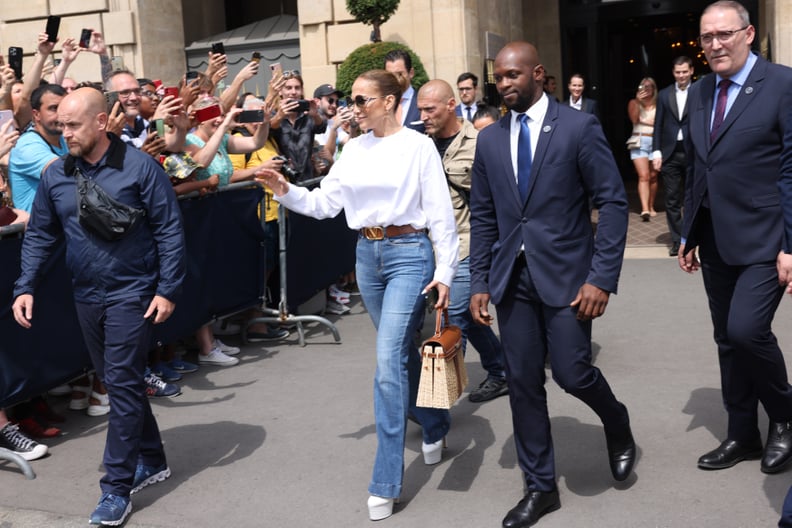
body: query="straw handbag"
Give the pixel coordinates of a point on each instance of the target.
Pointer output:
(443, 374)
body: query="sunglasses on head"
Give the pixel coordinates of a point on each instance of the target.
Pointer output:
(288, 74)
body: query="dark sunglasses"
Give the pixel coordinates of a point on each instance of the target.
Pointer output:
(362, 101)
(288, 74)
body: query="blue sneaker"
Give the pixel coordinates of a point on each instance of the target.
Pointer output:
(147, 475)
(112, 510)
(162, 370)
(156, 388)
(185, 367)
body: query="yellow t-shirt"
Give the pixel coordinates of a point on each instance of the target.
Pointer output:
(258, 157)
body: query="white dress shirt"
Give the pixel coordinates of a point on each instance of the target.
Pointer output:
(536, 115)
(382, 181)
(681, 99)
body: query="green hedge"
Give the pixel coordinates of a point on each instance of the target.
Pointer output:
(372, 57)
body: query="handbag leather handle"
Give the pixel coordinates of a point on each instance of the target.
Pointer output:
(441, 315)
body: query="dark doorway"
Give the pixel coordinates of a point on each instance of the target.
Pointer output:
(614, 44)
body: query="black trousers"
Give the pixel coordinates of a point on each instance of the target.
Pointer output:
(530, 330)
(743, 301)
(673, 174)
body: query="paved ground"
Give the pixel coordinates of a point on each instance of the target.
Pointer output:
(287, 437)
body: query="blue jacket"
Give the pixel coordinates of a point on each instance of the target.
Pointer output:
(149, 260)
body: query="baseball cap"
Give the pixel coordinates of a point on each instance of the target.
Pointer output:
(327, 89)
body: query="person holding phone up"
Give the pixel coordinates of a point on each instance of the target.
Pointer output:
(295, 123)
(391, 185)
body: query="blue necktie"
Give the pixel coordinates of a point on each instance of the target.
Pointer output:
(523, 157)
(468, 117)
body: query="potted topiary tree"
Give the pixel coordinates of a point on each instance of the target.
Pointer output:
(372, 13)
(372, 57)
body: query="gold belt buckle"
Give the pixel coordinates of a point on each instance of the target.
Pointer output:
(374, 233)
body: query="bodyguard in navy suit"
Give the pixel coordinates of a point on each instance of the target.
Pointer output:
(738, 205)
(534, 255)
(399, 63)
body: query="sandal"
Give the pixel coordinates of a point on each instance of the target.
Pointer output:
(101, 408)
(78, 403)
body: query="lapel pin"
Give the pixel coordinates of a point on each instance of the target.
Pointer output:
(547, 128)
(749, 90)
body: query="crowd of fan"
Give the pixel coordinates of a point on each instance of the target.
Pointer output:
(195, 127)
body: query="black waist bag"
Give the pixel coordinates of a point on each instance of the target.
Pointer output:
(102, 215)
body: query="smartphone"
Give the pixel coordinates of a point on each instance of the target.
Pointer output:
(250, 116)
(256, 57)
(191, 76)
(117, 61)
(277, 69)
(158, 126)
(85, 38)
(171, 90)
(15, 60)
(111, 98)
(208, 112)
(303, 106)
(217, 47)
(53, 25)
(5, 117)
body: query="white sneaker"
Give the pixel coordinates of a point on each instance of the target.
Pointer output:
(224, 327)
(228, 350)
(216, 357)
(337, 295)
(336, 308)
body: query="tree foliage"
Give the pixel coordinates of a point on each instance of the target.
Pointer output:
(373, 13)
(372, 57)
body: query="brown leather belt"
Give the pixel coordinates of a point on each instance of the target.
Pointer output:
(644, 135)
(378, 233)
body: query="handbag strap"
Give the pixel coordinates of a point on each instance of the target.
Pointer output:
(441, 315)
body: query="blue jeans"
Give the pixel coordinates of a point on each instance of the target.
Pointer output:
(391, 273)
(482, 337)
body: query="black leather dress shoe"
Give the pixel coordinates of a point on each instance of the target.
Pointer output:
(531, 508)
(729, 453)
(489, 390)
(621, 452)
(778, 451)
(674, 251)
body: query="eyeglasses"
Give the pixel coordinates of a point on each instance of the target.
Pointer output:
(288, 74)
(722, 36)
(149, 94)
(361, 101)
(127, 93)
(332, 100)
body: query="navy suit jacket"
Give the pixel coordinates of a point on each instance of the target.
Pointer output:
(572, 167)
(414, 115)
(749, 193)
(667, 121)
(587, 105)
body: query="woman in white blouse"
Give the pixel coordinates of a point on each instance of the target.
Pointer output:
(391, 185)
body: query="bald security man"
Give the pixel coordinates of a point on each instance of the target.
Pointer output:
(121, 287)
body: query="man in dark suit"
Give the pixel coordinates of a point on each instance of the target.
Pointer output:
(668, 158)
(738, 212)
(533, 254)
(576, 100)
(467, 85)
(399, 62)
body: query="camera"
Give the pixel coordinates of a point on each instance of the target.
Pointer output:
(287, 169)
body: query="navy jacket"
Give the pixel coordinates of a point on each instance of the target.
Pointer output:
(572, 168)
(147, 261)
(745, 172)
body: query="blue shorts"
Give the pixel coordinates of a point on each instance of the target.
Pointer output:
(646, 148)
